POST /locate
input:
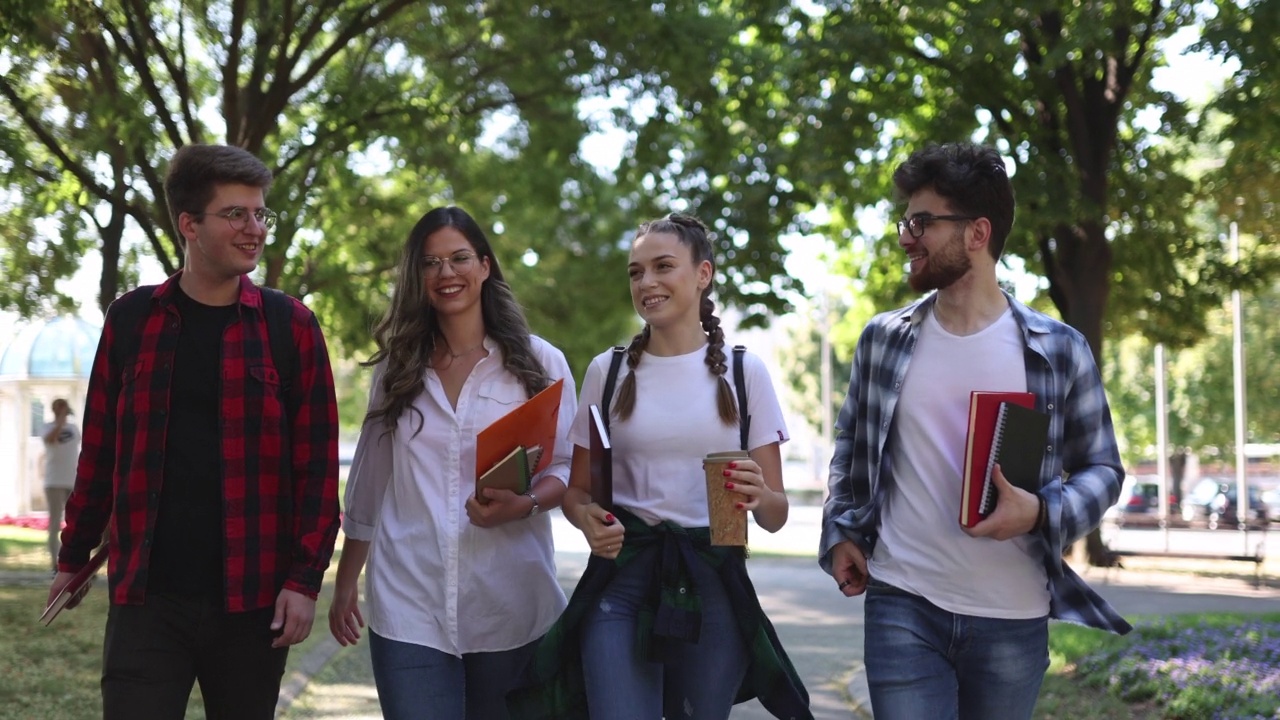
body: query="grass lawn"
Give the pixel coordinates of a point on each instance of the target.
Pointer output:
(23, 549)
(53, 672)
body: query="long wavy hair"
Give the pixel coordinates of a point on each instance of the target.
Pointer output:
(409, 332)
(694, 235)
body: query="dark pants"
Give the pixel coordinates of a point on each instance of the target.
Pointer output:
(153, 654)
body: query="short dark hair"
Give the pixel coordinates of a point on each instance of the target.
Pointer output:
(196, 170)
(971, 177)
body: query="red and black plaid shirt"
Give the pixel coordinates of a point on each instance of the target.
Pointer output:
(280, 515)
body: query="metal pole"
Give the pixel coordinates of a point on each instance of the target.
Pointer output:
(1237, 357)
(1162, 444)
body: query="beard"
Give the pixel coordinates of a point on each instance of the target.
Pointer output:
(944, 267)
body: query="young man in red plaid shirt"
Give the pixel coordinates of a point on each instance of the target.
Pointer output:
(215, 481)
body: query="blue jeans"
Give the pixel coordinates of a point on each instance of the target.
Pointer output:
(415, 681)
(925, 662)
(701, 683)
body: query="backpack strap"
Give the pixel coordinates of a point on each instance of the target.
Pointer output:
(611, 379)
(129, 312)
(278, 309)
(740, 384)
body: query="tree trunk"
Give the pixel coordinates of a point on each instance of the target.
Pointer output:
(111, 235)
(1080, 284)
(109, 280)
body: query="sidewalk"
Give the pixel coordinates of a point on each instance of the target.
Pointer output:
(820, 629)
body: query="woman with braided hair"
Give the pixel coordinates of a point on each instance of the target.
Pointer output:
(662, 623)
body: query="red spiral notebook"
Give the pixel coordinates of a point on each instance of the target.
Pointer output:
(78, 583)
(984, 410)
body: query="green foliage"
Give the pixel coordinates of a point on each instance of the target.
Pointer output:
(1200, 384)
(1059, 89)
(370, 113)
(1246, 184)
(801, 361)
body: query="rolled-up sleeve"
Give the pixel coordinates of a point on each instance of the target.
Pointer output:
(371, 469)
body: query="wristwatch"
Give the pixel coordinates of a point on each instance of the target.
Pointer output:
(534, 510)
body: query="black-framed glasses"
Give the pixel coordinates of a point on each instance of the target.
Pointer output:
(917, 224)
(461, 262)
(238, 217)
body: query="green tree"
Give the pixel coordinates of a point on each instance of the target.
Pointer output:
(1062, 88)
(1246, 186)
(369, 112)
(1199, 386)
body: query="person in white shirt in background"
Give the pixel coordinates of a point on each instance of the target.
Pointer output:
(456, 590)
(61, 452)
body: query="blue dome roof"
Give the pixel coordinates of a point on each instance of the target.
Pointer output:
(60, 348)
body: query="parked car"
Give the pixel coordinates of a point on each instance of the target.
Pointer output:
(1271, 500)
(1212, 504)
(1140, 502)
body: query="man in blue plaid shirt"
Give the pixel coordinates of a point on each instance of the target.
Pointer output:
(957, 618)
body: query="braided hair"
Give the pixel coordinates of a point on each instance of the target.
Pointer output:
(692, 233)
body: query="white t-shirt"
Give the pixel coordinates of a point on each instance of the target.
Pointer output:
(658, 451)
(61, 456)
(922, 548)
(432, 577)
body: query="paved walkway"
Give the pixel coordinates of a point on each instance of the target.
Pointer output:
(821, 629)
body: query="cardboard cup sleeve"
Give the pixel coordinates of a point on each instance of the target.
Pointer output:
(728, 523)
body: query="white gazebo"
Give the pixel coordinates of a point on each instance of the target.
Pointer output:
(44, 361)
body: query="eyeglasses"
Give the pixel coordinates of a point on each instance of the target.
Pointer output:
(461, 262)
(916, 224)
(238, 217)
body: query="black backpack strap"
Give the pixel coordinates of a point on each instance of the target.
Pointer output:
(278, 310)
(740, 384)
(610, 380)
(129, 312)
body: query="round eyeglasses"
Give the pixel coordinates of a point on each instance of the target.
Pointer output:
(917, 224)
(461, 263)
(238, 217)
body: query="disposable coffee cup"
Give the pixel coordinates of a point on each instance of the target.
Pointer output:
(728, 523)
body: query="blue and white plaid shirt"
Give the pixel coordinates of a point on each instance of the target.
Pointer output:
(1080, 476)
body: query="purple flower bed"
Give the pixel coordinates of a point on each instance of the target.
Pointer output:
(1203, 671)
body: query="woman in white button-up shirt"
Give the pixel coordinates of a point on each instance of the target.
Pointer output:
(456, 589)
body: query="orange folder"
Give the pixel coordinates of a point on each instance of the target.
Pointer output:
(531, 425)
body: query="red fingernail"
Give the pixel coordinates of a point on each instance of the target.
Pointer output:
(726, 473)
(728, 486)
(732, 465)
(740, 506)
(608, 518)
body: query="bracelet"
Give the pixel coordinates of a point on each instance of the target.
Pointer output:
(1042, 516)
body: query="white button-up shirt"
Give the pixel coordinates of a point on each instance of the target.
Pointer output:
(432, 577)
